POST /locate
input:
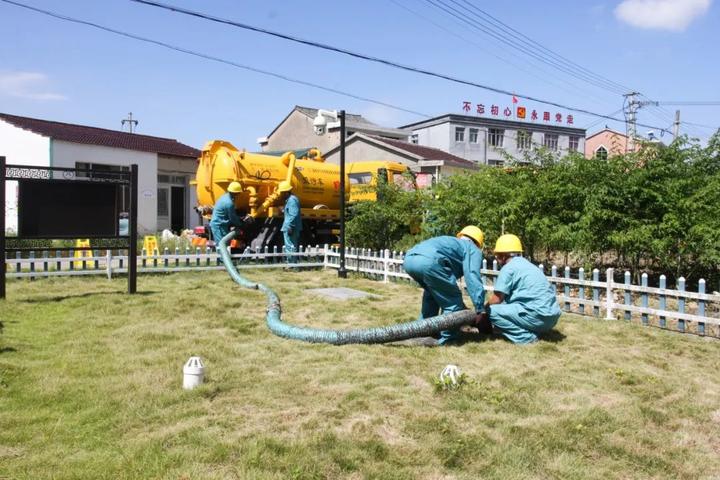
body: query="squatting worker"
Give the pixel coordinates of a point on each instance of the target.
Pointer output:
(292, 224)
(437, 264)
(523, 303)
(224, 215)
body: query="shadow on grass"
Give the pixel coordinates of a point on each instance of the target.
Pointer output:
(61, 298)
(553, 336)
(7, 350)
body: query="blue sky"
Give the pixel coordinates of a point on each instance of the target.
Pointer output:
(62, 71)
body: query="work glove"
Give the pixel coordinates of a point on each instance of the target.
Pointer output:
(249, 219)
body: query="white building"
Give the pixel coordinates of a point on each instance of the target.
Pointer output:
(485, 140)
(296, 131)
(165, 166)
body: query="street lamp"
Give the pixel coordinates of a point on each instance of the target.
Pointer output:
(320, 127)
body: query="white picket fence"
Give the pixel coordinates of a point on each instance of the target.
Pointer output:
(676, 309)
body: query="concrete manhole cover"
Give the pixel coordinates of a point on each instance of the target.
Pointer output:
(341, 293)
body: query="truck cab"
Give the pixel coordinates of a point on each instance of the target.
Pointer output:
(363, 177)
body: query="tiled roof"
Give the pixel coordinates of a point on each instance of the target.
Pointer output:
(427, 153)
(99, 136)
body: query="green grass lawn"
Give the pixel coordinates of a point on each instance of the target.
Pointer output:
(90, 388)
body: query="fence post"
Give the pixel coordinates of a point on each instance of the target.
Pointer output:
(628, 296)
(58, 263)
(45, 262)
(553, 273)
(662, 305)
(18, 266)
(644, 299)
(566, 289)
(197, 256)
(177, 260)
(108, 263)
(166, 252)
(386, 265)
(96, 262)
(581, 290)
(31, 257)
(144, 260)
(495, 265)
(609, 300)
(596, 292)
(701, 307)
(681, 304)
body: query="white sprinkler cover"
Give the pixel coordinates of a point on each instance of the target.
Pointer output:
(193, 373)
(452, 372)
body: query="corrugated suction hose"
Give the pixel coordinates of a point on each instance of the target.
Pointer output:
(392, 333)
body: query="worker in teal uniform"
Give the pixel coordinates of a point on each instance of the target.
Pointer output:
(523, 303)
(292, 224)
(224, 215)
(437, 264)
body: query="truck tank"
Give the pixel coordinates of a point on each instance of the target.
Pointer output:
(316, 184)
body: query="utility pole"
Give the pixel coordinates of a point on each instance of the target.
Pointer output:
(131, 123)
(676, 125)
(631, 107)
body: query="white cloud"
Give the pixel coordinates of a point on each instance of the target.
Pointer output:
(673, 15)
(29, 85)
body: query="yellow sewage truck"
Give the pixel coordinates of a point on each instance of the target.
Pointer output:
(316, 184)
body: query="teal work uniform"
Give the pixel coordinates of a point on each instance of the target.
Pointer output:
(437, 264)
(291, 227)
(223, 217)
(530, 305)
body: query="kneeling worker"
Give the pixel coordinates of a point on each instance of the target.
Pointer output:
(224, 215)
(523, 303)
(437, 264)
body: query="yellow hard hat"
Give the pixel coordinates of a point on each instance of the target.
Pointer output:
(508, 243)
(284, 186)
(473, 232)
(234, 187)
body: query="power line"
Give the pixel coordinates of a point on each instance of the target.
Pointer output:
(526, 47)
(215, 59)
(703, 103)
(542, 78)
(507, 28)
(454, 12)
(370, 58)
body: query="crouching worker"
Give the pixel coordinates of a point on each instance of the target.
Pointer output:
(224, 215)
(523, 303)
(437, 264)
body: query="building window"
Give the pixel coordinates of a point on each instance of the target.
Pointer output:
(101, 171)
(524, 140)
(414, 138)
(551, 141)
(601, 153)
(573, 143)
(459, 134)
(163, 202)
(496, 163)
(473, 135)
(495, 137)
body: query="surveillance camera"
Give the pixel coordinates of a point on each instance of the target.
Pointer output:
(320, 125)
